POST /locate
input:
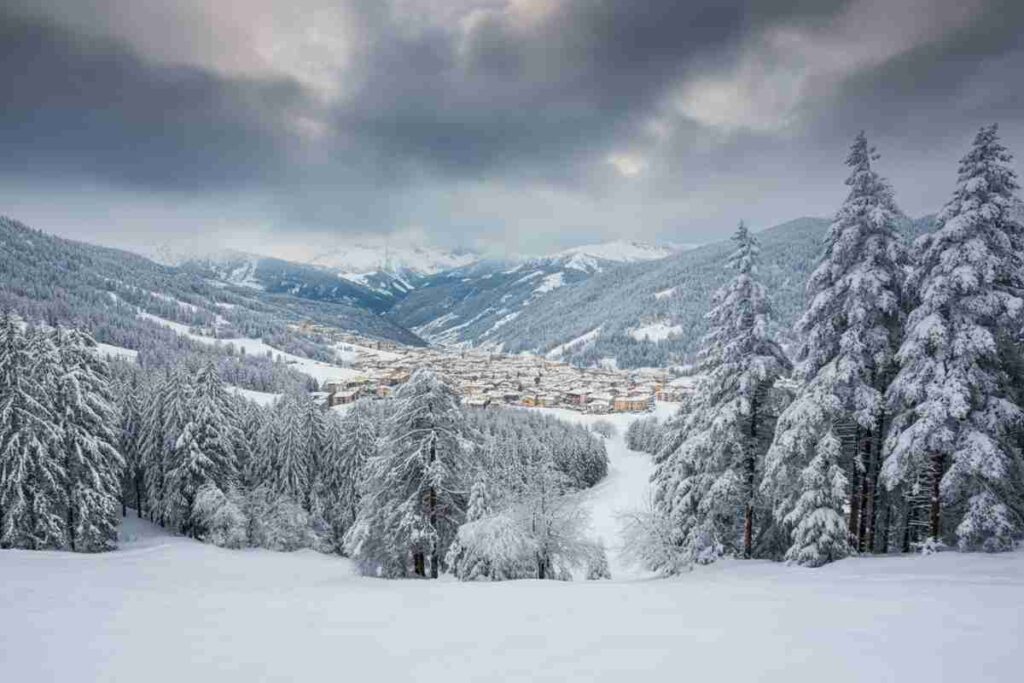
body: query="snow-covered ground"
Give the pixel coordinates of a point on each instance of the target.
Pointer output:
(166, 609)
(318, 370)
(655, 331)
(263, 398)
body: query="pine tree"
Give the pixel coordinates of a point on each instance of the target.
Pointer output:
(293, 473)
(849, 336)
(819, 530)
(130, 444)
(414, 495)
(709, 484)
(352, 443)
(30, 480)
(91, 464)
(154, 453)
(185, 467)
(958, 419)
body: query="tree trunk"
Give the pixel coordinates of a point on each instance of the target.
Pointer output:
(876, 468)
(432, 507)
(865, 494)
(748, 517)
(418, 564)
(138, 493)
(854, 522)
(935, 515)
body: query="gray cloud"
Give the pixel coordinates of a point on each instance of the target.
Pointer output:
(522, 123)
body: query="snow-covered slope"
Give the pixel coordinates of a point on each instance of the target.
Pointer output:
(165, 609)
(621, 251)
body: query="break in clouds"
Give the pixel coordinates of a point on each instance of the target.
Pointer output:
(516, 124)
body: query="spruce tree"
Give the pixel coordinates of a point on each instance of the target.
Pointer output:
(819, 530)
(709, 484)
(130, 444)
(958, 422)
(30, 479)
(414, 495)
(92, 466)
(849, 336)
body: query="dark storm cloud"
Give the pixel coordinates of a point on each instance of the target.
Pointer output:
(660, 114)
(91, 108)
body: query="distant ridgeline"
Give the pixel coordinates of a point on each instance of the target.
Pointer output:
(628, 305)
(116, 295)
(582, 310)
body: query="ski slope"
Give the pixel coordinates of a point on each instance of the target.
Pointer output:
(165, 609)
(625, 488)
(168, 610)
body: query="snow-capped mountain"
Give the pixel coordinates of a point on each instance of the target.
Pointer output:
(589, 256)
(471, 305)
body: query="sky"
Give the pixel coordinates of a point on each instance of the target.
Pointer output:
(507, 126)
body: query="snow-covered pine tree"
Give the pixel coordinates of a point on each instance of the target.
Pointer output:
(292, 472)
(414, 495)
(130, 444)
(352, 443)
(217, 429)
(463, 562)
(92, 467)
(819, 530)
(30, 479)
(264, 465)
(314, 438)
(709, 484)
(849, 336)
(185, 467)
(958, 422)
(154, 453)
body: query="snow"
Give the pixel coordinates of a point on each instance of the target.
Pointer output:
(167, 609)
(551, 282)
(626, 486)
(116, 352)
(579, 341)
(318, 370)
(655, 331)
(370, 254)
(263, 398)
(624, 251)
(665, 293)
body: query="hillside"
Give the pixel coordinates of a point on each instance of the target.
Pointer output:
(652, 313)
(128, 301)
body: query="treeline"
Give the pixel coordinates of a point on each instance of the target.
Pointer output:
(60, 468)
(391, 483)
(900, 426)
(107, 293)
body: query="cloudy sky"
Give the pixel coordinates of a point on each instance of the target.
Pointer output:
(505, 125)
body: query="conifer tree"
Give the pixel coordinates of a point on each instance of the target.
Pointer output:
(819, 531)
(130, 444)
(709, 484)
(30, 479)
(92, 466)
(849, 336)
(958, 423)
(414, 495)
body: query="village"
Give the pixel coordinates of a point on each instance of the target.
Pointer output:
(485, 378)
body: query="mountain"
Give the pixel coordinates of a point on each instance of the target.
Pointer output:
(644, 313)
(129, 301)
(284, 277)
(473, 304)
(617, 251)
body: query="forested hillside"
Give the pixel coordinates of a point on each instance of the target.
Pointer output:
(650, 314)
(131, 302)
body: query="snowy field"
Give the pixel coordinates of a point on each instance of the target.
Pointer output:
(164, 608)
